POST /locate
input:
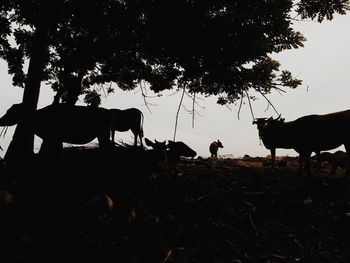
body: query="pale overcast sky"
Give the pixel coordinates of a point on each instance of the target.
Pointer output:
(323, 65)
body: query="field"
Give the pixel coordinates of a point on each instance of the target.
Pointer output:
(225, 210)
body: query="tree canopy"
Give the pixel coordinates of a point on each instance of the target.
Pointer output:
(210, 47)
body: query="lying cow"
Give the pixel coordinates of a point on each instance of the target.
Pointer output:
(213, 148)
(175, 150)
(60, 123)
(312, 133)
(129, 119)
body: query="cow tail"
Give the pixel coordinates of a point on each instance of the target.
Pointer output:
(141, 128)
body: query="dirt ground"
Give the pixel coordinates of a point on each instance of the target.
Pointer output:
(225, 210)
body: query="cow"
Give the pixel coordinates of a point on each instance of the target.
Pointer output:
(213, 148)
(178, 149)
(157, 153)
(307, 134)
(58, 123)
(175, 150)
(128, 119)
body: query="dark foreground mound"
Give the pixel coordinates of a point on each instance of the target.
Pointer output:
(214, 212)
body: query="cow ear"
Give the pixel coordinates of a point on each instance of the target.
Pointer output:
(148, 142)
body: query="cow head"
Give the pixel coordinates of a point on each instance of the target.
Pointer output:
(261, 123)
(158, 147)
(267, 123)
(219, 144)
(269, 128)
(13, 115)
(181, 149)
(274, 123)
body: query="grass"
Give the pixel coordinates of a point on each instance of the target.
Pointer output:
(217, 211)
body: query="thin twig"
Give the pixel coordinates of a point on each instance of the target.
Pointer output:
(279, 92)
(168, 255)
(297, 3)
(195, 102)
(144, 97)
(178, 111)
(193, 111)
(197, 98)
(175, 92)
(269, 102)
(252, 222)
(240, 105)
(4, 131)
(267, 108)
(250, 105)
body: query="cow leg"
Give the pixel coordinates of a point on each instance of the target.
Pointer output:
(104, 142)
(135, 138)
(301, 157)
(140, 136)
(273, 156)
(318, 157)
(112, 135)
(304, 156)
(51, 153)
(347, 148)
(137, 134)
(307, 160)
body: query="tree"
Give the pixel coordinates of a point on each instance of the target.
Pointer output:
(209, 47)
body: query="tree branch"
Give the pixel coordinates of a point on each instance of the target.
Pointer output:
(193, 103)
(178, 111)
(144, 97)
(250, 105)
(240, 105)
(269, 102)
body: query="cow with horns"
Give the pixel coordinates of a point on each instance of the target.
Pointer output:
(307, 134)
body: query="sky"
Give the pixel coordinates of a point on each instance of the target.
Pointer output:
(323, 64)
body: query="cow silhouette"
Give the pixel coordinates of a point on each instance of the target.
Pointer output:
(60, 123)
(213, 148)
(174, 150)
(128, 119)
(307, 134)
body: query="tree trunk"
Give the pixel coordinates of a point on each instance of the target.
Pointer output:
(21, 147)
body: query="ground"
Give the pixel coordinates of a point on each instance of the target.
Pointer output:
(224, 210)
